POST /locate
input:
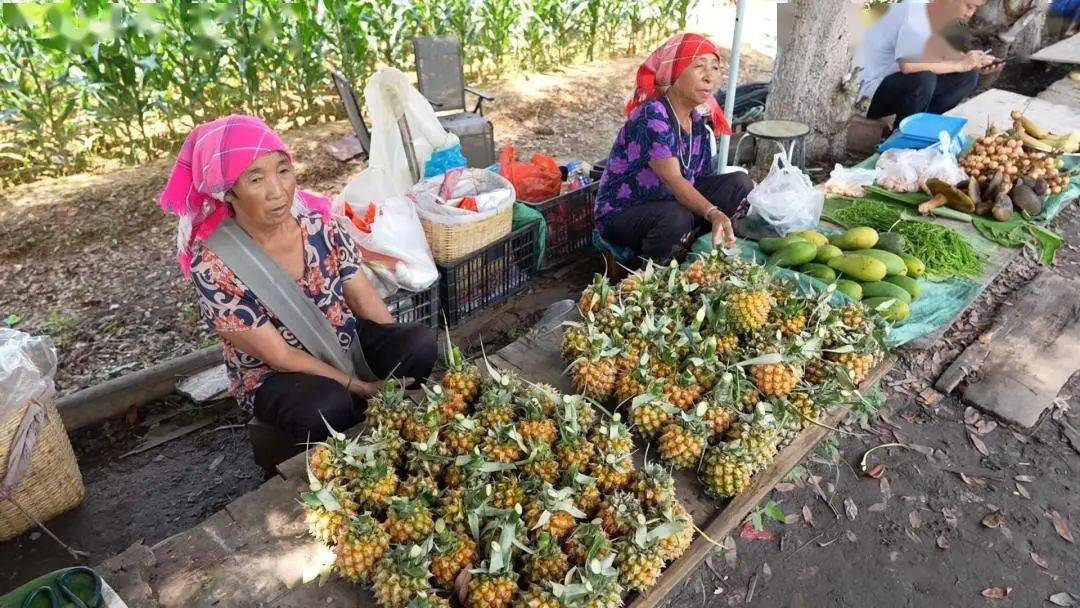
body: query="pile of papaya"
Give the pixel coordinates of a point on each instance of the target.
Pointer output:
(867, 266)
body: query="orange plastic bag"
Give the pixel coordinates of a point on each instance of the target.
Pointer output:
(534, 181)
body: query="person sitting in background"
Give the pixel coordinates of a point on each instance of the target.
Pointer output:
(659, 190)
(909, 66)
(237, 167)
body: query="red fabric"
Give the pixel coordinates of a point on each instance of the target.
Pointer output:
(664, 66)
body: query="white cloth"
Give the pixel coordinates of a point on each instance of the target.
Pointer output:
(901, 34)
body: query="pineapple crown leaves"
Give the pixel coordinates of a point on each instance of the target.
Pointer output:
(424, 600)
(405, 508)
(475, 463)
(507, 434)
(766, 359)
(554, 501)
(412, 560)
(463, 423)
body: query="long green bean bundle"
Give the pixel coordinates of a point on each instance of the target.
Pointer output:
(945, 251)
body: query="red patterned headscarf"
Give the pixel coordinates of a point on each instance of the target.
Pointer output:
(664, 66)
(213, 157)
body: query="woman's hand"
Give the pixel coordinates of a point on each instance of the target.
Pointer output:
(722, 231)
(364, 389)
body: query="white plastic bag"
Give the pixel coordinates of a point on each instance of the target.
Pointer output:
(27, 367)
(786, 200)
(439, 198)
(849, 182)
(907, 170)
(388, 96)
(392, 242)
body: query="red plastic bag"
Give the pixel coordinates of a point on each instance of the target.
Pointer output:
(534, 181)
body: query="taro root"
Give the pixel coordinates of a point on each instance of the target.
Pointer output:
(1003, 208)
(1025, 198)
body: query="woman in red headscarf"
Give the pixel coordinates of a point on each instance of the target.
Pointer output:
(660, 190)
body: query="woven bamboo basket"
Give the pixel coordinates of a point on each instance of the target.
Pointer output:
(52, 484)
(451, 241)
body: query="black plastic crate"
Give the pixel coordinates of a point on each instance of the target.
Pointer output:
(416, 306)
(570, 224)
(488, 276)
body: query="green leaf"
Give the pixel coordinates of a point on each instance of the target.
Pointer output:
(12, 320)
(755, 520)
(774, 511)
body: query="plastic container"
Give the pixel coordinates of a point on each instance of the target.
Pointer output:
(570, 224)
(922, 130)
(416, 306)
(487, 277)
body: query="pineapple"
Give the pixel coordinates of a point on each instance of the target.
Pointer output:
(650, 413)
(328, 509)
(540, 463)
(471, 470)
(818, 371)
(708, 268)
(596, 297)
(575, 341)
(600, 580)
(718, 418)
(462, 379)
(683, 440)
(428, 599)
(726, 471)
(640, 559)
(854, 316)
(401, 574)
(494, 584)
(705, 364)
(775, 379)
(727, 346)
(385, 443)
(327, 460)
(697, 272)
(750, 309)
(612, 470)
(790, 316)
(544, 394)
(799, 416)
(573, 448)
(585, 491)
(461, 435)
(503, 444)
(665, 365)
(612, 436)
(451, 510)
(428, 457)
(375, 484)
(681, 531)
(537, 596)
(586, 542)
(454, 552)
(420, 485)
(507, 492)
(632, 381)
(857, 365)
(534, 423)
(593, 374)
(547, 562)
(495, 406)
(553, 512)
(654, 486)
(684, 393)
(362, 545)
(388, 407)
(619, 513)
(408, 520)
(758, 435)
(424, 419)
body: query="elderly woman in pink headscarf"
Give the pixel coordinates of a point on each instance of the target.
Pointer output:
(237, 167)
(660, 190)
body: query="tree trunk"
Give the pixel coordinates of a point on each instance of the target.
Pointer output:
(812, 76)
(1013, 27)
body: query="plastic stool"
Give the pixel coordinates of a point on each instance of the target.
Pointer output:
(787, 133)
(271, 446)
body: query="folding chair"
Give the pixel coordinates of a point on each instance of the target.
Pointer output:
(440, 77)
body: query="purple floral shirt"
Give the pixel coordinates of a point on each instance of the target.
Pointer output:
(649, 135)
(226, 304)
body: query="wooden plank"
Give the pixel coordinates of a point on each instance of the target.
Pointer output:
(1034, 351)
(735, 512)
(1065, 51)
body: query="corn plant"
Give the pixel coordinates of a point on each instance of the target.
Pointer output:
(498, 23)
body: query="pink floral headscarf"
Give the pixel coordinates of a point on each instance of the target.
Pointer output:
(213, 157)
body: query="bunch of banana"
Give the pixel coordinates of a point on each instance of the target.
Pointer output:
(1037, 138)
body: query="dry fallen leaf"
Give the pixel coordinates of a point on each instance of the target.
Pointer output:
(1024, 478)
(807, 516)
(971, 415)
(1023, 491)
(851, 536)
(784, 487)
(878, 507)
(996, 593)
(992, 520)
(1040, 560)
(985, 427)
(1062, 599)
(914, 520)
(886, 487)
(850, 508)
(951, 516)
(930, 396)
(972, 480)
(979, 445)
(876, 471)
(1062, 526)
(791, 518)
(943, 543)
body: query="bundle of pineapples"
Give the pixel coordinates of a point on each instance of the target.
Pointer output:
(720, 364)
(498, 491)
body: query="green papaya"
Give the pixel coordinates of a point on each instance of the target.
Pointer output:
(882, 289)
(818, 271)
(794, 254)
(826, 253)
(851, 288)
(891, 242)
(890, 309)
(859, 267)
(813, 236)
(862, 237)
(908, 284)
(773, 244)
(894, 264)
(915, 266)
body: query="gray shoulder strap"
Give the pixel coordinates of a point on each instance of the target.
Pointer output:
(280, 295)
